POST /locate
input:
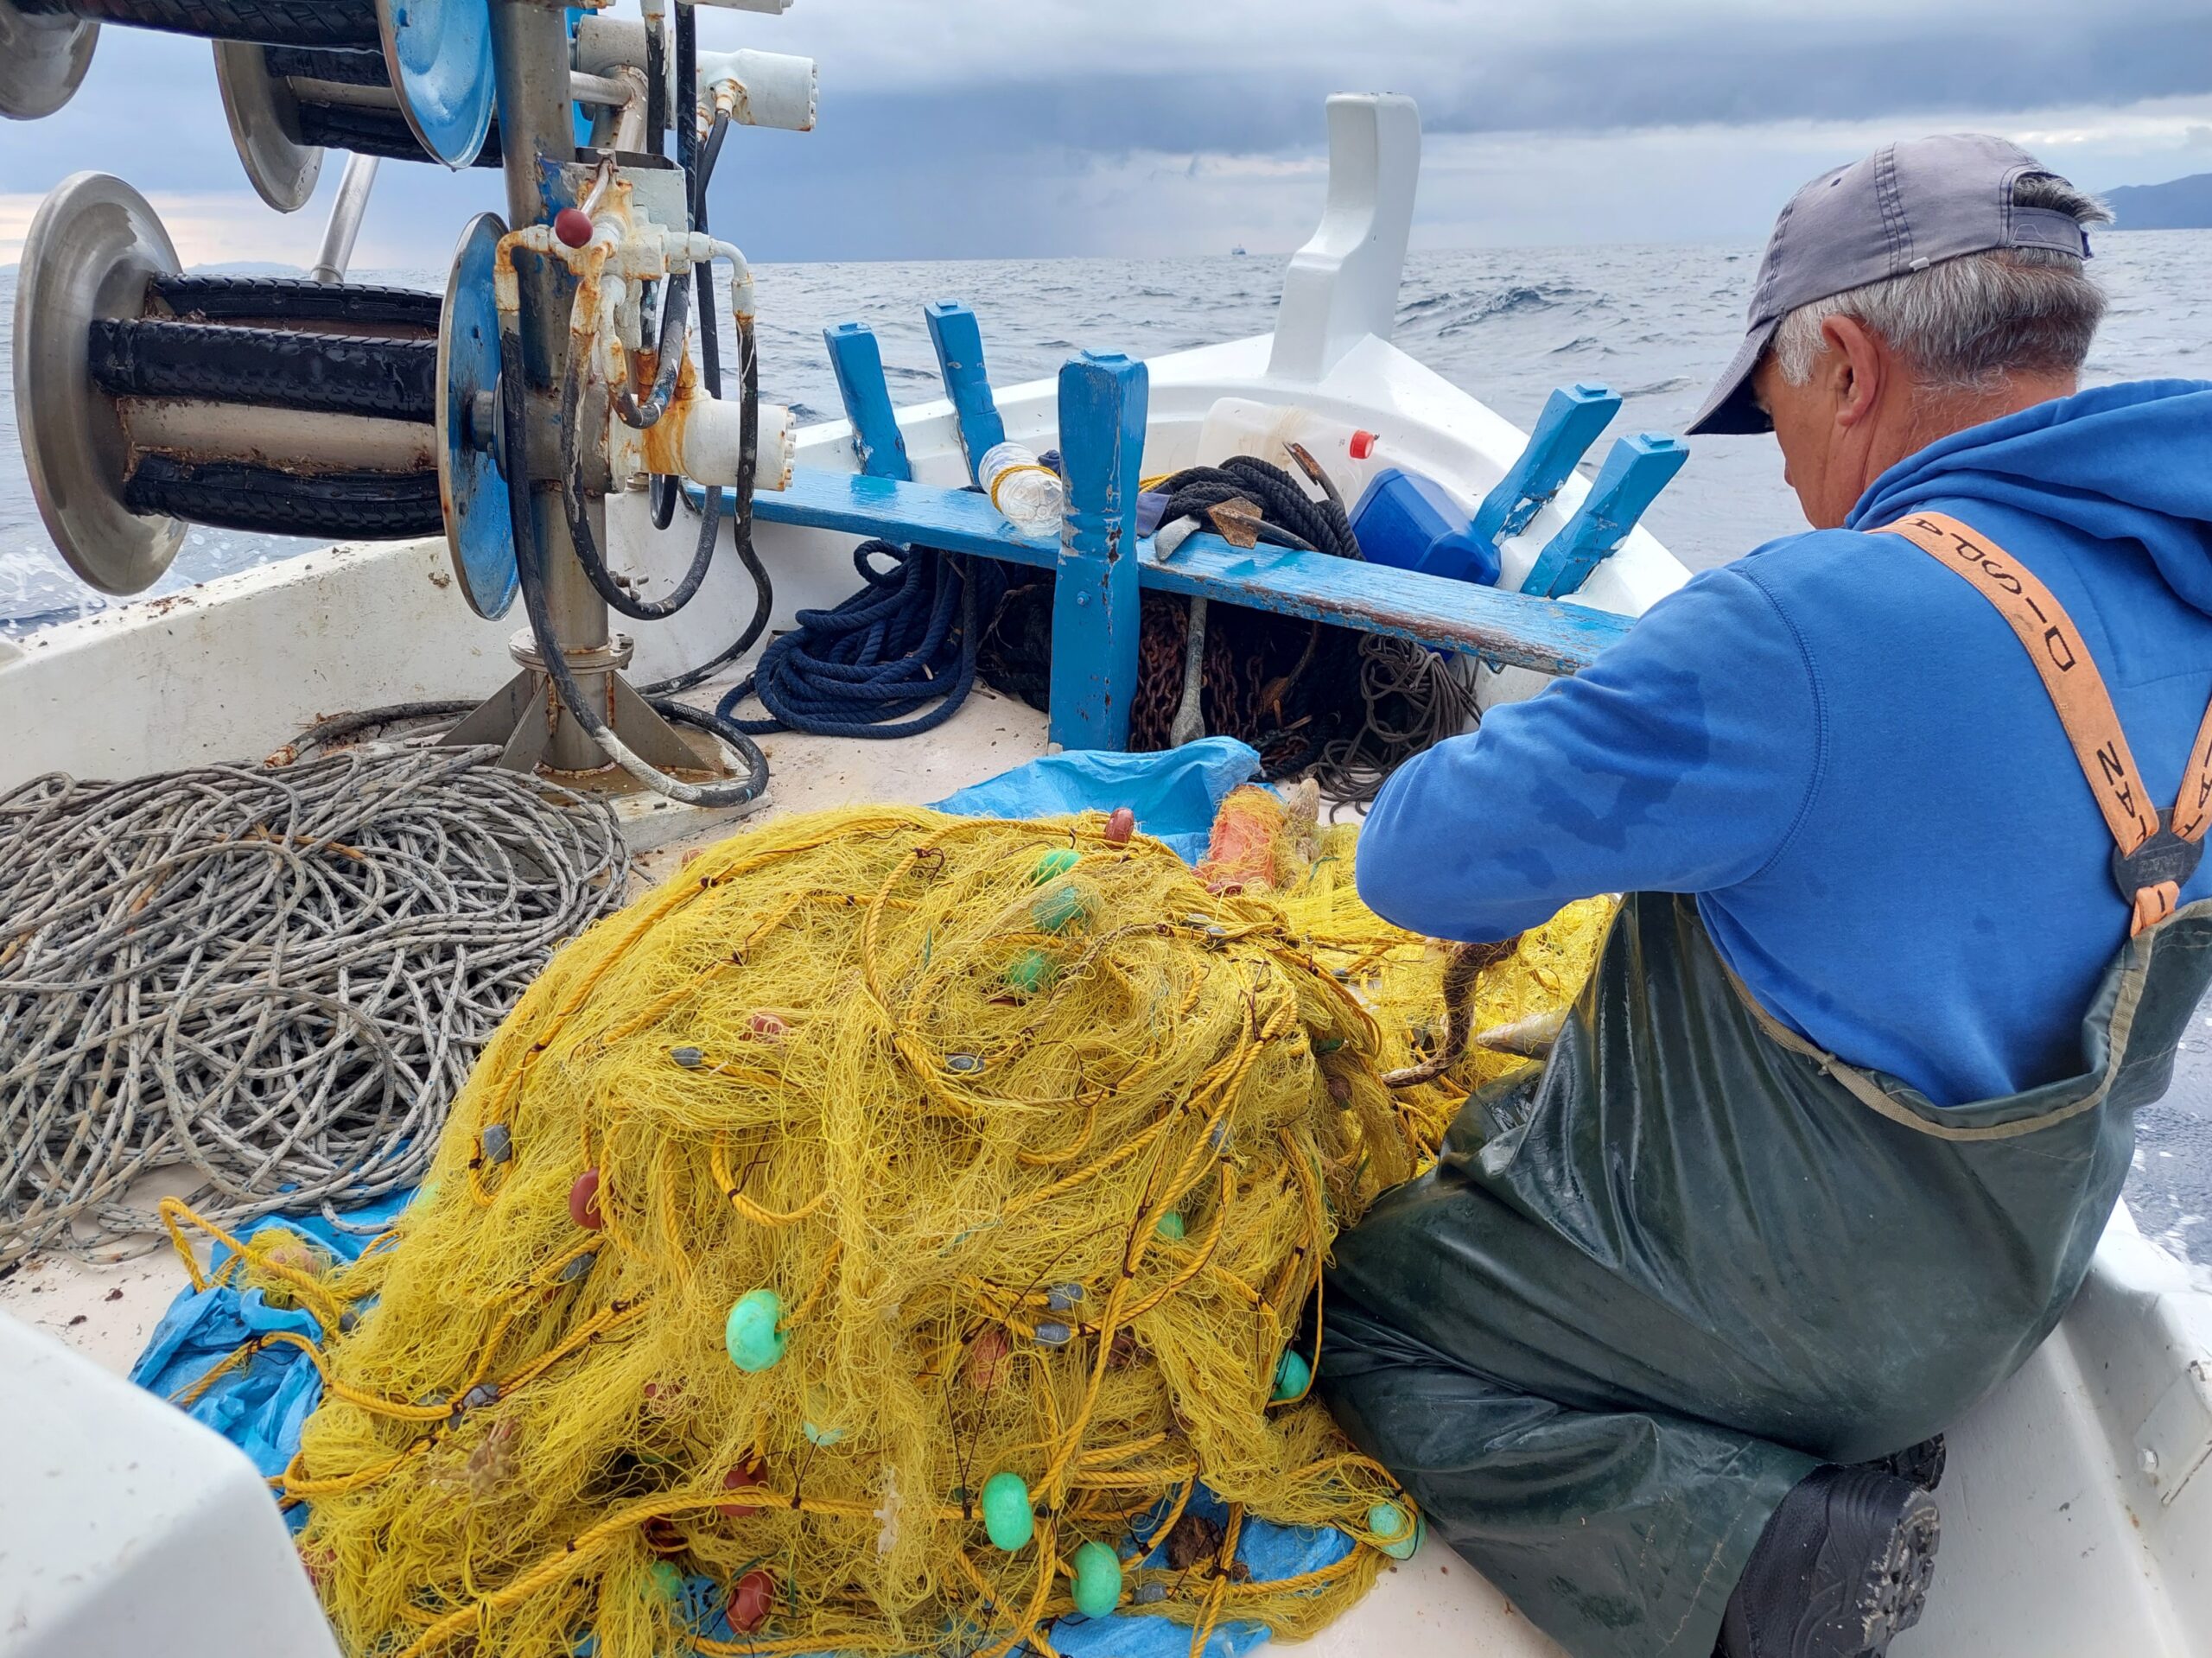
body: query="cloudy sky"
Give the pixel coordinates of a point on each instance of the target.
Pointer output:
(976, 128)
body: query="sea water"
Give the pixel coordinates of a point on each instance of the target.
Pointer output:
(1655, 323)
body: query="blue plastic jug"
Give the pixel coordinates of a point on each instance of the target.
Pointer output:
(1407, 521)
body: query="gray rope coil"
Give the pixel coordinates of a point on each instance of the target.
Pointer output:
(276, 978)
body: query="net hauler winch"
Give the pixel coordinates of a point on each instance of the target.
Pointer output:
(556, 369)
(431, 59)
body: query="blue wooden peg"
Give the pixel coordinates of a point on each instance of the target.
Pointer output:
(959, 344)
(1095, 602)
(1574, 416)
(857, 361)
(1635, 470)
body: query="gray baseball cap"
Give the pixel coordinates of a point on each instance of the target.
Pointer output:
(1904, 208)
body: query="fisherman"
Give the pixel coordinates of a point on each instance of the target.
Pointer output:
(1908, 810)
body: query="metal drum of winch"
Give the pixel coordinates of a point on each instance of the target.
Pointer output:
(411, 79)
(148, 399)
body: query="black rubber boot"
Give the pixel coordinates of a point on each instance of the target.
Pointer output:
(1840, 1571)
(1921, 1464)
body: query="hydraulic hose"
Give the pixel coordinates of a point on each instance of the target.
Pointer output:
(748, 792)
(675, 320)
(749, 432)
(579, 517)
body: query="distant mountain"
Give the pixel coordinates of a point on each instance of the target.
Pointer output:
(2177, 205)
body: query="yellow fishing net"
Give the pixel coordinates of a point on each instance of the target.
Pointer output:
(884, 1224)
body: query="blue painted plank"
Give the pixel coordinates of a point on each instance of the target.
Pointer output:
(1445, 614)
(958, 520)
(959, 344)
(1096, 604)
(857, 361)
(1635, 470)
(1572, 418)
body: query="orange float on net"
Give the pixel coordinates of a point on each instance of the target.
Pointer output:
(752, 1601)
(583, 1202)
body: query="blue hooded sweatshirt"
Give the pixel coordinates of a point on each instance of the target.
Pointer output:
(1843, 751)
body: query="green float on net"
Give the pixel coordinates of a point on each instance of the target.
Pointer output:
(1053, 865)
(1394, 1534)
(754, 1341)
(1098, 1580)
(1029, 972)
(1008, 1516)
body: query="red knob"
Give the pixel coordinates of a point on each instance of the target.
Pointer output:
(583, 1201)
(572, 225)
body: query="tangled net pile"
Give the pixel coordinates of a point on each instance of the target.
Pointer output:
(278, 977)
(877, 1160)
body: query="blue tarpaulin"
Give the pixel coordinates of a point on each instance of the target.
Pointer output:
(1174, 794)
(261, 1405)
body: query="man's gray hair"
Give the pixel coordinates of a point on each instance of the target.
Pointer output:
(1965, 323)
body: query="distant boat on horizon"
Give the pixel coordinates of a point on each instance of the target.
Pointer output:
(1237, 252)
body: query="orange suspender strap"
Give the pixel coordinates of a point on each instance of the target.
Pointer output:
(2150, 875)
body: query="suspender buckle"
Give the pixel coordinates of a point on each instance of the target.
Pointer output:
(2165, 857)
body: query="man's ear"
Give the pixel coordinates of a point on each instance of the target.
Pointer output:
(1858, 362)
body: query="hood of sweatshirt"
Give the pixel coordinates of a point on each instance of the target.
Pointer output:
(2122, 463)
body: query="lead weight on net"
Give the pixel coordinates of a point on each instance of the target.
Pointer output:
(498, 1143)
(1063, 1298)
(1151, 1594)
(690, 1059)
(576, 1268)
(964, 1064)
(481, 1395)
(1052, 1333)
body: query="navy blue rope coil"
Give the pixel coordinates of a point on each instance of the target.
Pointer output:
(905, 640)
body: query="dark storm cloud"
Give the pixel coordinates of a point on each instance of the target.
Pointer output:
(1732, 70)
(927, 147)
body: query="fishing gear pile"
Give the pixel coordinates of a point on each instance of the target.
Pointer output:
(881, 1239)
(278, 977)
(1341, 706)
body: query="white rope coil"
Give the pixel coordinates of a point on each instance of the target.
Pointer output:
(276, 977)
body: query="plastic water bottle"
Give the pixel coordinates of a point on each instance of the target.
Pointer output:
(1030, 495)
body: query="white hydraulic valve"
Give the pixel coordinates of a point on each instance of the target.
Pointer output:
(614, 248)
(758, 89)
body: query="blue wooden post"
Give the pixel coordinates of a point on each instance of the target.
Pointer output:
(959, 344)
(857, 361)
(1574, 416)
(1635, 470)
(1094, 605)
